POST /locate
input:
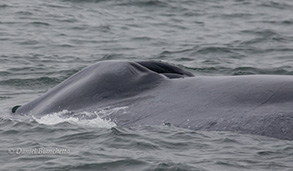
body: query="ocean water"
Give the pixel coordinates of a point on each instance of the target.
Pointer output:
(44, 42)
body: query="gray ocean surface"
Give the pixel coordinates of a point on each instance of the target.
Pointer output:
(44, 42)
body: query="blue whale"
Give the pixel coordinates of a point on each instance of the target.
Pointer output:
(157, 93)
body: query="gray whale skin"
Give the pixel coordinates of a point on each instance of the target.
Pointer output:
(156, 93)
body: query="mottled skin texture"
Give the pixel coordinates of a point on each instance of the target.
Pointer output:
(158, 93)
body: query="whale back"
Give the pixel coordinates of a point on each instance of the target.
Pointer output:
(101, 83)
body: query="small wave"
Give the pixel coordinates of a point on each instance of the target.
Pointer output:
(277, 5)
(4, 6)
(39, 23)
(279, 22)
(145, 3)
(25, 13)
(31, 82)
(84, 1)
(244, 70)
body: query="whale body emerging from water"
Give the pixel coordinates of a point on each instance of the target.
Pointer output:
(156, 93)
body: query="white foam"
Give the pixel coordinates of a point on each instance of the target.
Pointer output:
(83, 119)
